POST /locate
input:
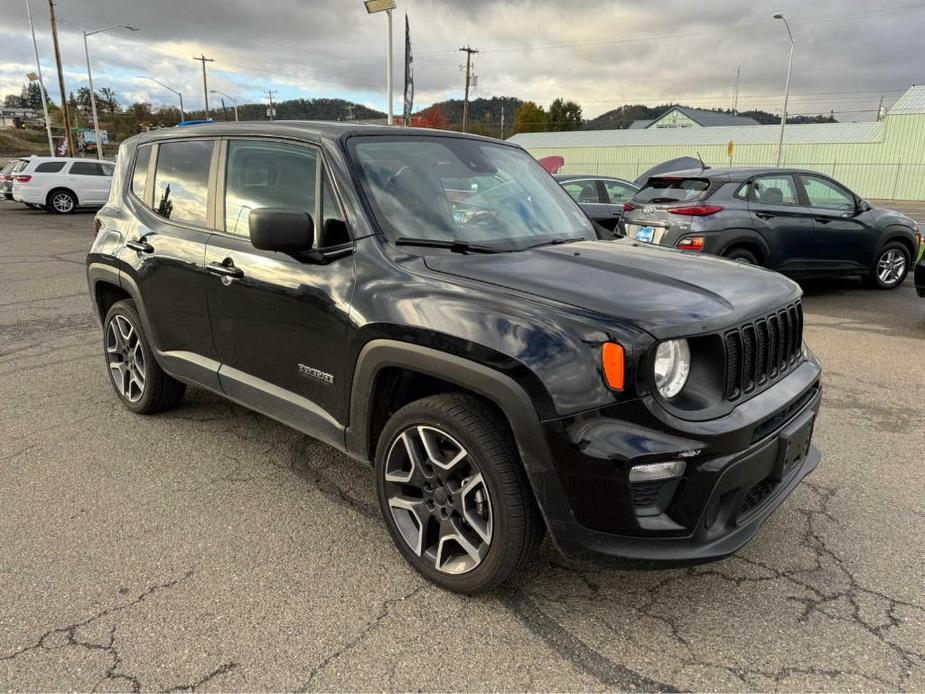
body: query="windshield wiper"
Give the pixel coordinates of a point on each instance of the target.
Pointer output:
(557, 241)
(454, 246)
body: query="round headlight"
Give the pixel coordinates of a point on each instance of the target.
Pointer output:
(672, 367)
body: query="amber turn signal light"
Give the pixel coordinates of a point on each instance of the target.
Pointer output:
(613, 360)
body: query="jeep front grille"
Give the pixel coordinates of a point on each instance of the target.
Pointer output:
(763, 350)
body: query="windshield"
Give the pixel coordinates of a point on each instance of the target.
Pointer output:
(672, 189)
(449, 189)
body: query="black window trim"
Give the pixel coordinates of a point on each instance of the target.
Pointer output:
(148, 193)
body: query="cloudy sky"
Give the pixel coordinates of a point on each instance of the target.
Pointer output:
(601, 53)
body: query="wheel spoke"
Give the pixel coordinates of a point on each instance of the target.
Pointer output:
(445, 460)
(120, 368)
(476, 509)
(402, 476)
(452, 537)
(411, 519)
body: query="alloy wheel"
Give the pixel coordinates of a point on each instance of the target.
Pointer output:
(438, 499)
(62, 202)
(126, 358)
(891, 266)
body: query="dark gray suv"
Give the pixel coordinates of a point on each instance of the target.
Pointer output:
(801, 223)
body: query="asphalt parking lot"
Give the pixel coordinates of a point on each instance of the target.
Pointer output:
(211, 548)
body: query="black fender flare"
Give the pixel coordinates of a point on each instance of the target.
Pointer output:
(503, 391)
(738, 237)
(900, 233)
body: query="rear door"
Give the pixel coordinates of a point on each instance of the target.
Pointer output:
(589, 195)
(616, 194)
(843, 238)
(780, 216)
(169, 196)
(89, 180)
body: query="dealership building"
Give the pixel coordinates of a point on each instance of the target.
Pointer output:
(882, 159)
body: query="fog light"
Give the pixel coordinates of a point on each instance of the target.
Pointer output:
(657, 471)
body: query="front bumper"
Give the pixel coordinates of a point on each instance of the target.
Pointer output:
(733, 482)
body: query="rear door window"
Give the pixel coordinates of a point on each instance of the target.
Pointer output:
(49, 167)
(181, 181)
(774, 190)
(667, 189)
(86, 168)
(582, 191)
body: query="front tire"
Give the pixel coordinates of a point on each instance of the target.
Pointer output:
(61, 202)
(454, 494)
(890, 267)
(141, 384)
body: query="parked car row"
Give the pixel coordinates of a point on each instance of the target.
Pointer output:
(57, 184)
(801, 223)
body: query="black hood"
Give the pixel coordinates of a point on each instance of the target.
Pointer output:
(663, 291)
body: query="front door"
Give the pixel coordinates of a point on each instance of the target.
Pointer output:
(280, 322)
(780, 217)
(842, 237)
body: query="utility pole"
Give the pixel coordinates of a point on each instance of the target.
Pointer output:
(205, 83)
(735, 92)
(502, 121)
(880, 109)
(270, 111)
(67, 118)
(468, 51)
(38, 67)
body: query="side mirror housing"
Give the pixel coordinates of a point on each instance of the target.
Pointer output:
(282, 229)
(863, 206)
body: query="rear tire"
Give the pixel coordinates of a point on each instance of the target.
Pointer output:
(890, 267)
(454, 493)
(141, 384)
(742, 255)
(61, 201)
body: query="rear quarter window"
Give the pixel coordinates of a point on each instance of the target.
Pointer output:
(140, 172)
(672, 189)
(49, 167)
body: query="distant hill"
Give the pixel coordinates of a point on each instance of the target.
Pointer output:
(480, 111)
(622, 117)
(293, 109)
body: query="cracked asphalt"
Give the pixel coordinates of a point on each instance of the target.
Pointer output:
(210, 548)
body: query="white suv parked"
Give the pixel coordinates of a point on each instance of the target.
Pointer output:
(62, 184)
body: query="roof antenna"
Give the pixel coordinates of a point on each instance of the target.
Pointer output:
(703, 167)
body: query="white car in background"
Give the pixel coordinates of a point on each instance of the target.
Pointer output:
(61, 184)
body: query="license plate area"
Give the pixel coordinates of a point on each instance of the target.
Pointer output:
(793, 446)
(643, 233)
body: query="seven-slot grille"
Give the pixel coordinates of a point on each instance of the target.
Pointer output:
(762, 350)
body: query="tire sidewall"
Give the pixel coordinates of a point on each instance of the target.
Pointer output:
(742, 255)
(875, 276)
(126, 308)
(483, 576)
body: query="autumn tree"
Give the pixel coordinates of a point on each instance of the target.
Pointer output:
(530, 118)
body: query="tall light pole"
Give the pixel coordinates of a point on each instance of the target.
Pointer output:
(205, 83)
(783, 118)
(169, 89)
(38, 67)
(233, 100)
(373, 6)
(96, 122)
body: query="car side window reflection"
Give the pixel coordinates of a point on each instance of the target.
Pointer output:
(181, 181)
(826, 195)
(774, 190)
(267, 174)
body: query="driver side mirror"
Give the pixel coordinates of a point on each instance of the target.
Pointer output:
(282, 229)
(863, 206)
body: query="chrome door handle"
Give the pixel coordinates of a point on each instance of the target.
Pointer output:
(225, 269)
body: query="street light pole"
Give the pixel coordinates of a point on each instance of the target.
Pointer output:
(169, 89)
(38, 67)
(783, 119)
(372, 7)
(96, 122)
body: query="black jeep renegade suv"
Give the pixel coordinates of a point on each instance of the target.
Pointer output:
(437, 305)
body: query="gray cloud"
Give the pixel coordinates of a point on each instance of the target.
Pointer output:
(602, 53)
